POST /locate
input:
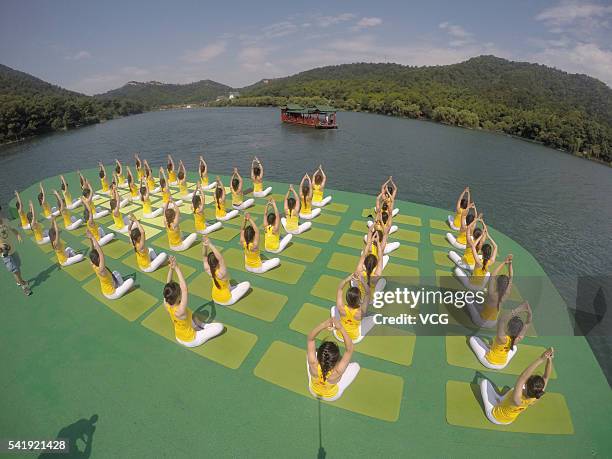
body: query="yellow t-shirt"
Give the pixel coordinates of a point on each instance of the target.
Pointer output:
(498, 354)
(478, 276)
(322, 387)
(146, 206)
(93, 229)
(199, 220)
(46, 209)
(174, 236)
(183, 188)
(507, 411)
(142, 258)
(350, 322)
(220, 210)
(183, 329)
(104, 184)
(23, 219)
(272, 240)
(221, 294)
(107, 284)
(317, 193)
(258, 187)
(67, 197)
(462, 238)
(118, 219)
(457, 219)
(237, 198)
(66, 217)
(468, 256)
(252, 259)
(306, 206)
(60, 253)
(292, 221)
(172, 176)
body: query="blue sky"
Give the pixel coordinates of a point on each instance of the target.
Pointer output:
(92, 47)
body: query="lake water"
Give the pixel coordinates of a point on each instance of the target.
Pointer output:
(557, 206)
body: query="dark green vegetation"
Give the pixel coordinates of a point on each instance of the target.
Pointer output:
(572, 112)
(30, 106)
(155, 94)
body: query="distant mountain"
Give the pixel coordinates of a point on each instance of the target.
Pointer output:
(568, 111)
(155, 94)
(30, 106)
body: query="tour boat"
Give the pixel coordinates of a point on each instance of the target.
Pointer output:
(318, 116)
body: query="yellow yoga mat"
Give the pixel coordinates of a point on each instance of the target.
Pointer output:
(259, 303)
(130, 306)
(439, 240)
(382, 342)
(403, 234)
(352, 241)
(326, 287)
(336, 207)
(439, 225)
(460, 316)
(46, 248)
(359, 226)
(160, 274)
(115, 249)
(79, 271)
(406, 252)
(549, 416)
(328, 219)
(299, 251)
(441, 259)
(229, 349)
(316, 235)
(194, 252)
(348, 263)
(288, 271)
(407, 220)
(373, 393)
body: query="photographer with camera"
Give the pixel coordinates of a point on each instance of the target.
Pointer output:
(8, 254)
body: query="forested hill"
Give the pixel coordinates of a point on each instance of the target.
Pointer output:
(572, 112)
(30, 106)
(156, 94)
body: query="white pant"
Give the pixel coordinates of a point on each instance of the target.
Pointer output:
(74, 204)
(105, 238)
(121, 286)
(490, 399)
(100, 213)
(349, 375)
(464, 278)
(282, 244)
(300, 229)
(156, 260)
(124, 202)
(209, 331)
(155, 190)
(237, 291)
(245, 204)
(458, 260)
(187, 196)
(266, 265)
(45, 239)
(76, 222)
(381, 283)
(481, 349)
(367, 323)
(73, 257)
(392, 230)
(210, 228)
(451, 223)
(474, 311)
(210, 186)
(155, 213)
(453, 241)
(229, 215)
(187, 242)
(26, 227)
(385, 261)
(313, 214)
(323, 202)
(262, 194)
(395, 212)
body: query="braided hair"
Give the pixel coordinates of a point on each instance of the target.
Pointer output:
(534, 387)
(213, 263)
(514, 327)
(328, 355)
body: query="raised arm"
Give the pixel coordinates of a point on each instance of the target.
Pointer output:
(184, 289)
(348, 353)
(96, 246)
(311, 346)
(522, 379)
(324, 181)
(60, 201)
(340, 294)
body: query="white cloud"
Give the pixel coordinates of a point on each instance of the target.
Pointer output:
(569, 12)
(279, 29)
(369, 22)
(206, 53)
(101, 82)
(459, 36)
(326, 21)
(588, 58)
(78, 56)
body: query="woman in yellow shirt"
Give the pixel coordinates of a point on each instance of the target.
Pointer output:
(249, 240)
(182, 182)
(70, 222)
(350, 308)
(88, 202)
(291, 221)
(503, 409)
(70, 203)
(98, 232)
(47, 211)
(384, 231)
(131, 184)
(460, 241)
(238, 201)
(112, 284)
(257, 173)
(203, 170)
(147, 207)
(165, 189)
(223, 293)
(189, 331)
(105, 186)
(384, 219)
(66, 256)
(484, 315)
(385, 201)
(371, 267)
(172, 218)
(172, 180)
(475, 238)
(146, 258)
(119, 174)
(318, 188)
(221, 213)
(23, 217)
(273, 242)
(140, 173)
(306, 210)
(329, 372)
(510, 331)
(461, 208)
(479, 277)
(199, 214)
(119, 220)
(41, 236)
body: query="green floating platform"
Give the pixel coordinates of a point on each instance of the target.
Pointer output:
(229, 349)
(373, 393)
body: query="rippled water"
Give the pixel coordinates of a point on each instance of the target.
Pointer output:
(557, 206)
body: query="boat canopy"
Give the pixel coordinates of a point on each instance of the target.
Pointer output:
(301, 110)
